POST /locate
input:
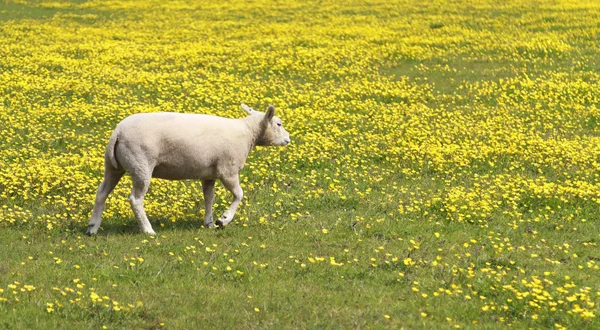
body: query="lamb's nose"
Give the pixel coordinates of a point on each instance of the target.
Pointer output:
(287, 140)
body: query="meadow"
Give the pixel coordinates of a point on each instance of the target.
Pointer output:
(444, 169)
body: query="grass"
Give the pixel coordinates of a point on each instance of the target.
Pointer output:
(443, 170)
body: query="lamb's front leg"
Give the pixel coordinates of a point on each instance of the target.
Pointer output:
(208, 190)
(232, 184)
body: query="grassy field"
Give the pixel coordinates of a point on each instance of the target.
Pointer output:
(444, 169)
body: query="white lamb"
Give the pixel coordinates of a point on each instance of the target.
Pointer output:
(177, 146)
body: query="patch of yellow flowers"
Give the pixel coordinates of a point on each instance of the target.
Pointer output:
(379, 97)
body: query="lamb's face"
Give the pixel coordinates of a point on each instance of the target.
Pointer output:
(275, 134)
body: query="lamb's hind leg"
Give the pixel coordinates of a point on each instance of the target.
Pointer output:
(136, 199)
(111, 178)
(232, 184)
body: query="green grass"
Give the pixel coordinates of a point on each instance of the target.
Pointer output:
(443, 170)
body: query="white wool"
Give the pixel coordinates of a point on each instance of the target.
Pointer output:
(177, 146)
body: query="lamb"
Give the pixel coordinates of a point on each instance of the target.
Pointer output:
(177, 146)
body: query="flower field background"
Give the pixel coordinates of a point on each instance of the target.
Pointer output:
(444, 169)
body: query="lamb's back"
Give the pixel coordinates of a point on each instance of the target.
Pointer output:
(183, 146)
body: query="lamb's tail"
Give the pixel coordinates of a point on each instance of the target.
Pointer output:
(111, 148)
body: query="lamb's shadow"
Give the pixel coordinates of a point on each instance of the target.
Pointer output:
(126, 226)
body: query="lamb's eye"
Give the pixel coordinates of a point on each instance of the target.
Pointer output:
(279, 124)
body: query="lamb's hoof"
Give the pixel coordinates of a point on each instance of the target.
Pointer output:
(149, 232)
(210, 224)
(90, 231)
(222, 222)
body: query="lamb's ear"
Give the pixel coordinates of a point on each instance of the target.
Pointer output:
(247, 109)
(270, 113)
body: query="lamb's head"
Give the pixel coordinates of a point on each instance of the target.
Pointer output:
(272, 132)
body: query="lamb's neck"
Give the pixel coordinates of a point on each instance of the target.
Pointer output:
(253, 123)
